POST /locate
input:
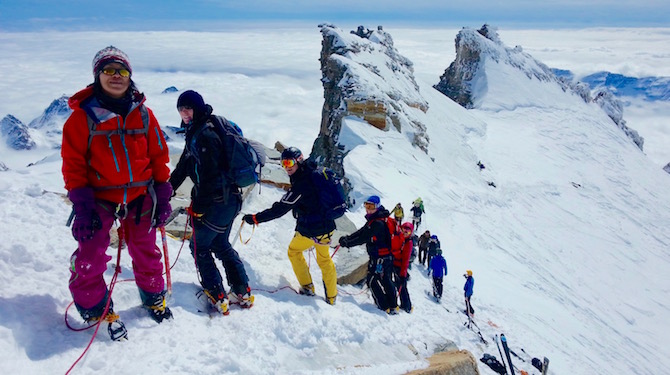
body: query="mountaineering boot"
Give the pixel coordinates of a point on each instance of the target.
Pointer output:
(307, 290)
(245, 299)
(331, 300)
(115, 327)
(218, 300)
(156, 305)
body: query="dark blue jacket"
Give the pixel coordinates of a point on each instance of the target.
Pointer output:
(374, 234)
(201, 161)
(438, 266)
(469, 284)
(303, 199)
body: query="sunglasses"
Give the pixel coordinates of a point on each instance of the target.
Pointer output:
(370, 205)
(182, 108)
(123, 72)
(288, 163)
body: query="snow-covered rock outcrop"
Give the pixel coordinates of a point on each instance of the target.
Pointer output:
(16, 133)
(476, 74)
(50, 122)
(614, 109)
(364, 76)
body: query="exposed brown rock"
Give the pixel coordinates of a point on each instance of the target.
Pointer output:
(460, 362)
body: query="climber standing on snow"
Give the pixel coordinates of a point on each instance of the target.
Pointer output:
(214, 205)
(417, 210)
(401, 262)
(376, 236)
(115, 167)
(312, 229)
(467, 291)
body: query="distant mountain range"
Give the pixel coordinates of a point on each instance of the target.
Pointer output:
(648, 88)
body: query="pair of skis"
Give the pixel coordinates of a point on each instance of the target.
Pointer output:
(503, 341)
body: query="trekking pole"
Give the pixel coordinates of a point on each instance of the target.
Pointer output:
(168, 276)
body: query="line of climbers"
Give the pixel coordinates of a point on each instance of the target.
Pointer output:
(115, 167)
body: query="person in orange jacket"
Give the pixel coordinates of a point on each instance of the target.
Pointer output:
(115, 166)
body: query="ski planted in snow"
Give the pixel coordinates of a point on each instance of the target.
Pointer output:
(502, 358)
(545, 366)
(503, 340)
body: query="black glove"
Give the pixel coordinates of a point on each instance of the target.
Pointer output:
(343, 241)
(249, 219)
(86, 220)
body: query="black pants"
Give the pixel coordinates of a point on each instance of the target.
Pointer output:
(403, 293)
(380, 282)
(210, 240)
(423, 252)
(468, 306)
(437, 287)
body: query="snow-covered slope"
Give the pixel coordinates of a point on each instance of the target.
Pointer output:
(569, 250)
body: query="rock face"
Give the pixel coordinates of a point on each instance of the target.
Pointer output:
(614, 109)
(667, 168)
(456, 362)
(364, 76)
(16, 133)
(465, 80)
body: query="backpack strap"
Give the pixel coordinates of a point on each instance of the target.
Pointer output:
(92, 131)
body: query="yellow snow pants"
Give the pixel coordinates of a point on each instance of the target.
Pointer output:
(298, 245)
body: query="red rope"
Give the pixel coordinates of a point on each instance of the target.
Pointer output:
(117, 271)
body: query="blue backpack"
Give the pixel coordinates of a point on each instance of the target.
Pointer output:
(330, 191)
(241, 161)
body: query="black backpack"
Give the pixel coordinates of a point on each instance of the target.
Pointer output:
(330, 192)
(241, 161)
(493, 363)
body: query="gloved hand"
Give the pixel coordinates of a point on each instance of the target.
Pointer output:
(249, 219)
(86, 220)
(163, 209)
(194, 214)
(343, 241)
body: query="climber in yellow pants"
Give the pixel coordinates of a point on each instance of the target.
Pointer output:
(313, 227)
(296, 250)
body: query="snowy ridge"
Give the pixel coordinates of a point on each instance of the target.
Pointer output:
(570, 252)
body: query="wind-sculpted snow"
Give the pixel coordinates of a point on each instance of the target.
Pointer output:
(570, 251)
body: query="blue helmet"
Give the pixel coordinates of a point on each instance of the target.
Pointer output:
(374, 200)
(433, 237)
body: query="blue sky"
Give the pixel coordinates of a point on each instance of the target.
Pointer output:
(27, 15)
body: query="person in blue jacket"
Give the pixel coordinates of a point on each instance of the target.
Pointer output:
(438, 267)
(467, 288)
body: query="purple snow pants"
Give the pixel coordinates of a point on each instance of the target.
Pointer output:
(89, 262)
